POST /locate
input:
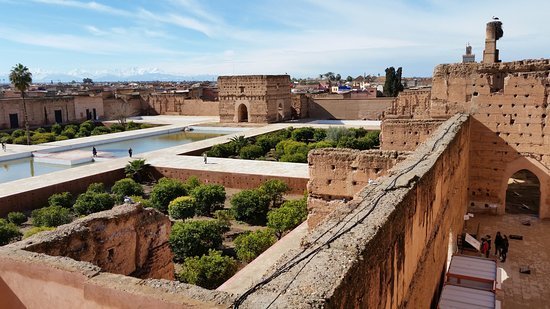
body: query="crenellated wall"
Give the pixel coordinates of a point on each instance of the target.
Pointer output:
(406, 134)
(411, 104)
(127, 240)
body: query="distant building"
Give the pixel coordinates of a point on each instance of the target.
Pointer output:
(468, 57)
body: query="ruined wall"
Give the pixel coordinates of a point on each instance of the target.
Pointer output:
(83, 103)
(126, 240)
(388, 247)
(406, 134)
(114, 108)
(329, 108)
(262, 98)
(336, 175)
(510, 108)
(409, 104)
(177, 104)
(229, 180)
(300, 106)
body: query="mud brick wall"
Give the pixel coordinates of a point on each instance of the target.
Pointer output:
(397, 234)
(406, 134)
(127, 240)
(411, 103)
(336, 175)
(179, 104)
(332, 107)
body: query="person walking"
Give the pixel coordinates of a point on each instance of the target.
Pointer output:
(130, 151)
(205, 157)
(488, 239)
(484, 247)
(4, 146)
(504, 249)
(498, 244)
(94, 152)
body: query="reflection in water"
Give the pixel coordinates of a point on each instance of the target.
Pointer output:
(23, 168)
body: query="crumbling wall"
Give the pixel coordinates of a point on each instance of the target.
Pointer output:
(336, 107)
(389, 246)
(510, 108)
(406, 134)
(336, 175)
(300, 106)
(41, 111)
(178, 104)
(127, 240)
(411, 104)
(117, 108)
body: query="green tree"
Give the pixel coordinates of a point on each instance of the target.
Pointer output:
(250, 206)
(182, 207)
(239, 142)
(349, 78)
(208, 198)
(165, 191)
(303, 134)
(251, 152)
(8, 232)
(127, 187)
(90, 202)
(288, 216)
(17, 218)
(249, 245)
(192, 182)
(21, 78)
(194, 238)
(334, 134)
(274, 189)
(63, 199)
(136, 169)
(208, 271)
(51, 216)
(393, 85)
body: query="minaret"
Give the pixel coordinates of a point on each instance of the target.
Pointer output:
(468, 57)
(493, 33)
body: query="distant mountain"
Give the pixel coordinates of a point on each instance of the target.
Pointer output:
(128, 76)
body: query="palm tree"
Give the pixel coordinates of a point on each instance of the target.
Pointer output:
(21, 78)
(136, 169)
(239, 142)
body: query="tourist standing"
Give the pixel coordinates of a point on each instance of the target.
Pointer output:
(488, 252)
(130, 152)
(498, 244)
(94, 152)
(4, 146)
(484, 247)
(205, 157)
(504, 249)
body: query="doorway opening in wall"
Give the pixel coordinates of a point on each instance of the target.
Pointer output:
(242, 113)
(280, 114)
(523, 193)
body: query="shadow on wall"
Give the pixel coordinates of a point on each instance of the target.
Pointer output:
(8, 299)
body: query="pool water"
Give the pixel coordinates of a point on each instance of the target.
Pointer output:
(23, 168)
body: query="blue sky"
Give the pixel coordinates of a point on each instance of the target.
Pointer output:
(220, 37)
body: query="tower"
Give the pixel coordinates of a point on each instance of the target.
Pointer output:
(468, 57)
(493, 33)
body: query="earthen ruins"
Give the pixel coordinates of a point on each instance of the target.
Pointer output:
(382, 223)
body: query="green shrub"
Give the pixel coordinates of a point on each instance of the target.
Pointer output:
(165, 191)
(295, 158)
(250, 206)
(251, 152)
(51, 216)
(194, 238)
(127, 187)
(63, 199)
(222, 150)
(208, 271)
(146, 126)
(136, 169)
(18, 133)
(39, 138)
(321, 144)
(56, 128)
(359, 132)
(40, 130)
(21, 140)
(90, 202)
(319, 135)
(369, 141)
(288, 216)
(6, 139)
(100, 130)
(347, 142)
(84, 131)
(146, 203)
(182, 207)
(249, 245)
(303, 134)
(334, 134)
(8, 232)
(208, 198)
(69, 132)
(192, 182)
(268, 142)
(116, 127)
(132, 126)
(292, 151)
(224, 216)
(61, 138)
(97, 187)
(36, 230)
(17, 218)
(87, 125)
(274, 189)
